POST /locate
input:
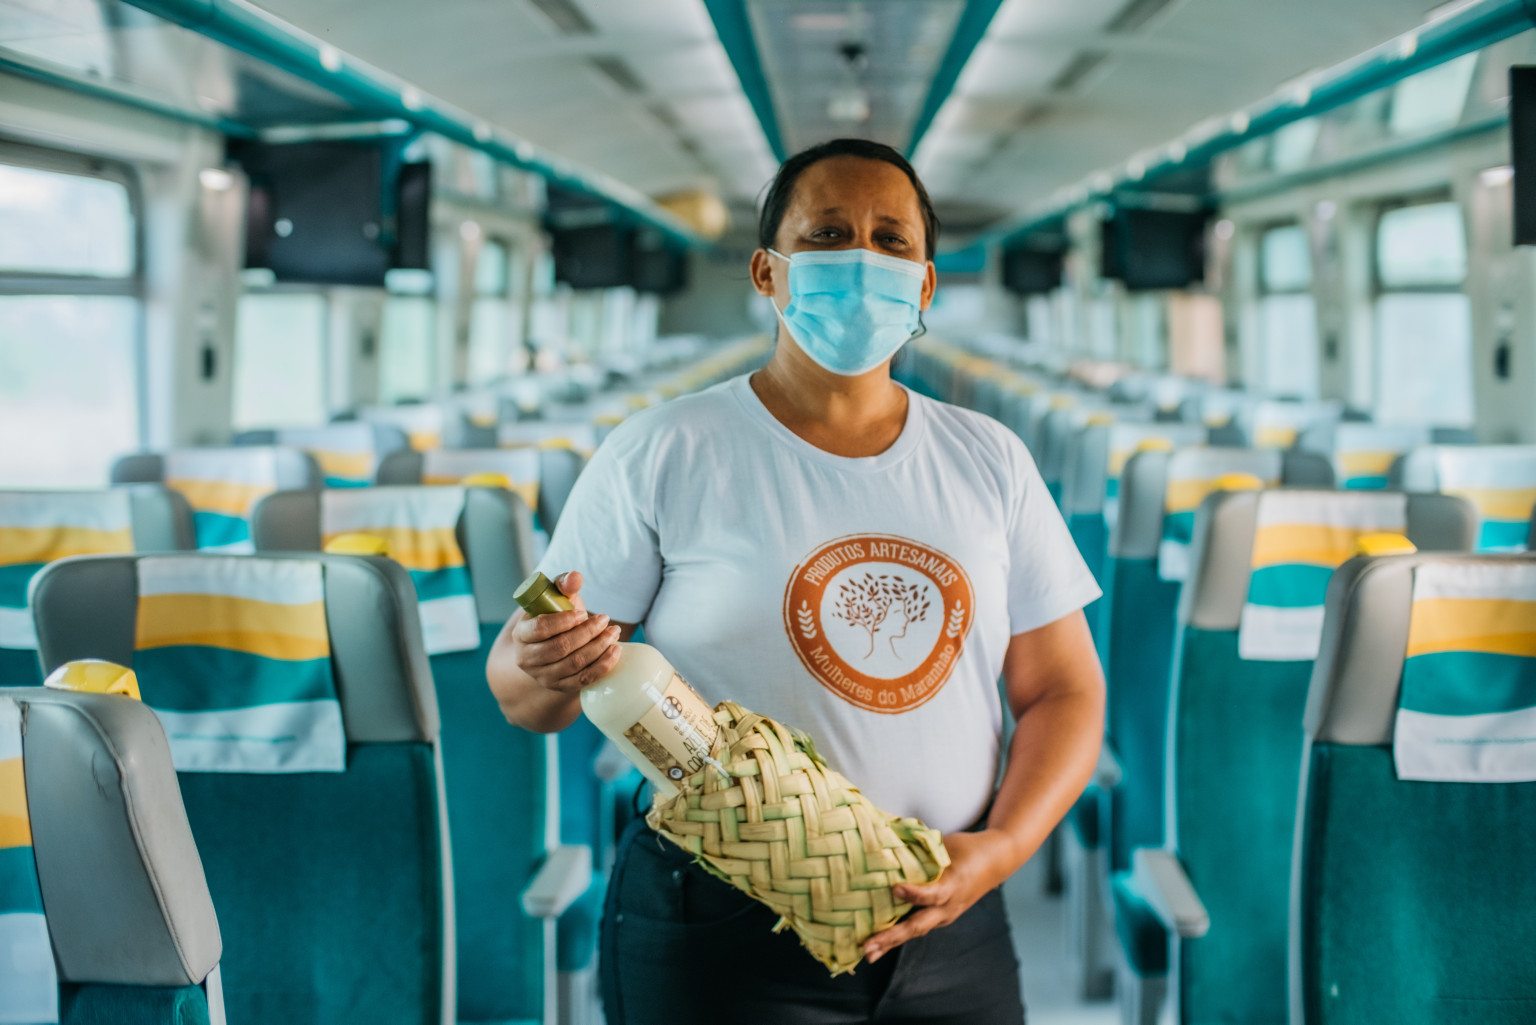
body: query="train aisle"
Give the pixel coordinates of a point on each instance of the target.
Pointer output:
(1039, 921)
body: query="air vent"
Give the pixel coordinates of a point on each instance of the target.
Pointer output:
(1081, 67)
(565, 16)
(619, 73)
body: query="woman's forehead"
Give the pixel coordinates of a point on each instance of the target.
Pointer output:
(854, 186)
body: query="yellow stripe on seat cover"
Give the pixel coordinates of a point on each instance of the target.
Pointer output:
(1498, 626)
(229, 497)
(15, 827)
(433, 548)
(1312, 544)
(290, 632)
(1499, 503)
(44, 544)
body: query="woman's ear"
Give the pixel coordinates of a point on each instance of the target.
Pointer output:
(762, 273)
(930, 282)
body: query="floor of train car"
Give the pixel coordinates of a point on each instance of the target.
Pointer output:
(1039, 936)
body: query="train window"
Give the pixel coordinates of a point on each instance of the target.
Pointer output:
(52, 223)
(70, 325)
(1291, 146)
(490, 319)
(407, 348)
(618, 331)
(1287, 320)
(1433, 99)
(280, 357)
(1423, 320)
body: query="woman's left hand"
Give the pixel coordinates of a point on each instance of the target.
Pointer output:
(978, 863)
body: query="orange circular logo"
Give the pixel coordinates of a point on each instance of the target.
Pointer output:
(880, 620)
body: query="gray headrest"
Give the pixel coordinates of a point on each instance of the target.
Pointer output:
(295, 468)
(1221, 557)
(402, 467)
(1088, 454)
(1144, 489)
(87, 607)
(121, 880)
(1358, 673)
(161, 518)
(495, 532)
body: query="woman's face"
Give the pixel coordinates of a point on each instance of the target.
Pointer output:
(847, 203)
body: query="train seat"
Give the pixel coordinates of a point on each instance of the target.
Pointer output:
(347, 453)
(466, 549)
(37, 527)
(1413, 899)
(1363, 454)
(1221, 409)
(431, 425)
(524, 468)
(564, 449)
(105, 915)
(299, 708)
(221, 484)
(1279, 423)
(1095, 459)
(1499, 479)
(1059, 426)
(1250, 620)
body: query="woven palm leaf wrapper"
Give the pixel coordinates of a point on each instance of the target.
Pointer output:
(785, 829)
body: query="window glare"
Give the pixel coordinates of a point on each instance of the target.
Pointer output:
(68, 400)
(1288, 345)
(52, 223)
(1419, 246)
(1432, 99)
(1292, 145)
(1424, 359)
(491, 269)
(407, 353)
(279, 376)
(1285, 259)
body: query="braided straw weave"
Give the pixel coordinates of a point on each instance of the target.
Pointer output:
(782, 827)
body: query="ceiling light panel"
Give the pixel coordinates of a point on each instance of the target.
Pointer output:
(800, 43)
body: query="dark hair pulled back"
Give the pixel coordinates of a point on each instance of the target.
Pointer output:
(782, 189)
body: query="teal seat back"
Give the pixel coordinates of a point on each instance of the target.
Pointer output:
(129, 936)
(331, 886)
(37, 527)
(221, 484)
(1095, 460)
(497, 777)
(1499, 479)
(1363, 454)
(1235, 730)
(1413, 900)
(1138, 627)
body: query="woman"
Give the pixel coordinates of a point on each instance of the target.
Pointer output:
(831, 550)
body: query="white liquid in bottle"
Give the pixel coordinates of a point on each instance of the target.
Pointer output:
(650, 713)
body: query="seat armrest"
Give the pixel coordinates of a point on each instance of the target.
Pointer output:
(564, 876)
(1161, 880)
(1107, 774)
(610, 764)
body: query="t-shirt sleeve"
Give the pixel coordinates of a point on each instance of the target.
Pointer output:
(1047, 577)
(607, 532)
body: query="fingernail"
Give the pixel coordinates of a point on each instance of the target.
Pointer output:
(603, 620)
(872, 956)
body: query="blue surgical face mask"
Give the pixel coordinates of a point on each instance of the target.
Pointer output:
(851, 309)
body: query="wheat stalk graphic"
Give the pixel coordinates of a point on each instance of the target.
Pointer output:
(807, 620)
(956, 620)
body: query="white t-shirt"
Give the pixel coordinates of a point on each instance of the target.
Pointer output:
(867, 601)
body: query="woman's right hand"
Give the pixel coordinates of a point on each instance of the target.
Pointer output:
(565, 651)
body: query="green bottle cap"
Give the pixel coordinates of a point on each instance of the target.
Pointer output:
(539, 596)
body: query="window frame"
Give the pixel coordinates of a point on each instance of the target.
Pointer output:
(1379, 287)
(14, 282)
(132, 286)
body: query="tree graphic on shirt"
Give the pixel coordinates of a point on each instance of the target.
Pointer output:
(868, 602)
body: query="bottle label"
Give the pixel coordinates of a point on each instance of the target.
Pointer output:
(678, 733)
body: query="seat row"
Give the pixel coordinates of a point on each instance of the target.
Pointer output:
(378, 842)
(1215, 578)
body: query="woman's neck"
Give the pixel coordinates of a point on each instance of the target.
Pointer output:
(854, 417)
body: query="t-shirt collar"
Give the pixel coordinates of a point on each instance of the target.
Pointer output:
(911, 432)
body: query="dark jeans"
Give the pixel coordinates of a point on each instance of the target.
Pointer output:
(680, 947)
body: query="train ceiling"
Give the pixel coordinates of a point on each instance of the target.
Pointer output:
(1003, 101)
